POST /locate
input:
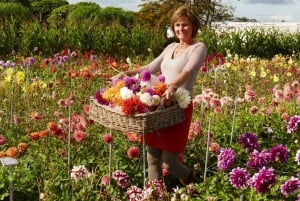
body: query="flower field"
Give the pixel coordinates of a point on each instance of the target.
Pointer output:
(243, 142)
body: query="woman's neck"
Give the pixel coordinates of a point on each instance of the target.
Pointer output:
(185, 44)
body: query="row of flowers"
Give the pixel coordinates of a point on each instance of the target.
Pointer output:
(259, 161)
(152, 190)
(258, 172)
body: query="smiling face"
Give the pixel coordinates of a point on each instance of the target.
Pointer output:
(183, 29)
(184, 23)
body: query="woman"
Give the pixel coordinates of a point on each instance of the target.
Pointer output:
(180, 63)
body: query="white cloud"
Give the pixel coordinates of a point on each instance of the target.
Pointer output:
(270, 1)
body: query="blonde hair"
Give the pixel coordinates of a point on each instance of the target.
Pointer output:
(185, 11)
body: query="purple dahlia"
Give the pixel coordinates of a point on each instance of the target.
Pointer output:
(99, 98)
(279, 153)
(226, 158)
(258, 159)
(290, 186)
(263, 180)
(145, 75)
(249, 142)
(239, 178)
(293, 124)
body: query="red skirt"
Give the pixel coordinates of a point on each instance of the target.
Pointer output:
(172, 139)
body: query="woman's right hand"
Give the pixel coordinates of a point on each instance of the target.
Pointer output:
(118, 76)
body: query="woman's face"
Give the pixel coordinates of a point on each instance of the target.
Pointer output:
(183, 29)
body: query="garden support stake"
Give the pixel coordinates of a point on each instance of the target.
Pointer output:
(10, 162)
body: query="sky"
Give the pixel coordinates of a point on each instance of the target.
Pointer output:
(261, 10)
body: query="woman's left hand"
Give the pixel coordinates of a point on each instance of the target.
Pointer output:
(170, 92)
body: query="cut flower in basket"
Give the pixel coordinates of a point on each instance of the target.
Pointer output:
(139, 94)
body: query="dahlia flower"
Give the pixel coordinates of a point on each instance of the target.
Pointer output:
(147, 99)
(290, 186)
(133, 106)
(134, 193)
(145, 75)
(161, 78)
(226, 158)
(263, 180)
(249, 142)
(133, 152)
(149, 90)
(126, 93)
(279, 153)
(155, 190)
(258, 159)
(160, 88)
(79, 172)
(151, 82)
(156, 100)
(293, 124)
(121, 178)
(108, 138)
(2, 140)
(239, 178)
(183, 97)
(130, 81)
(111, 93)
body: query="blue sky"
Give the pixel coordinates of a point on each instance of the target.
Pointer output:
(262, 10)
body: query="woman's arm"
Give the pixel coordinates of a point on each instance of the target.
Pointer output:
(153, 66)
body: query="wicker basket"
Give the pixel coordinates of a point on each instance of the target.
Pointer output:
(140, 123)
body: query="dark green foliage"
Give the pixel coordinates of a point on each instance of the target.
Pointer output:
(59, 15)
(13, 12)
(8, 38)
(42, 9)
(116, 15)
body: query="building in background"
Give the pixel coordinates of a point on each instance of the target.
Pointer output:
(240, 26)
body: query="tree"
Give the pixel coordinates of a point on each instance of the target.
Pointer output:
(43, 8)
(156, 13)
(210, 11)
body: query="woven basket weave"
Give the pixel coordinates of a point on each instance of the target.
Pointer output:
(140, 123)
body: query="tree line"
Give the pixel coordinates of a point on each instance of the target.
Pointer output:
(53, 25)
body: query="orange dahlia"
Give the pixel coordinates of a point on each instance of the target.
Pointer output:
(12, 152)
(22, 146)
(34, 136)
(160, 88)
(2, 154)
(44, 133)
(52, 126)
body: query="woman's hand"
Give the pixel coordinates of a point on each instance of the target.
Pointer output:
(118, 76)
(170, 92)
